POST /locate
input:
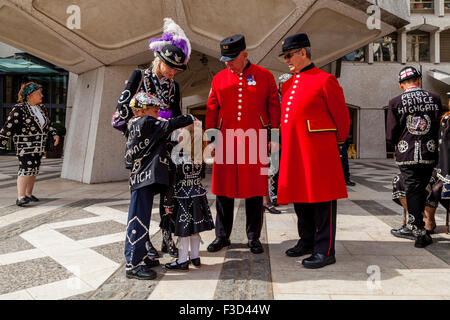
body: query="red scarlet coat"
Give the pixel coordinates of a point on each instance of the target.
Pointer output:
(314, 119)
(234, 104)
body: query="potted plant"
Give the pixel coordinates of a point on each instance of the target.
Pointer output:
(56, 152)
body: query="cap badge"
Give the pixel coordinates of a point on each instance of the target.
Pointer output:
(225, 47)
(177, 58)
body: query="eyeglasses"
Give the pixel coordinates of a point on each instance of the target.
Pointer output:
(290, 54)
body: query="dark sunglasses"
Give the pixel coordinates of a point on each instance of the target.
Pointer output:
(290, 54)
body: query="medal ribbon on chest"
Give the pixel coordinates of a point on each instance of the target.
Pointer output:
(251, 80)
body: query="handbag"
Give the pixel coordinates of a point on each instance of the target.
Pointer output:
(50, 144)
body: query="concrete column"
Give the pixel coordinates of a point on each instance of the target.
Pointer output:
(439, 8)
(402, 43)
(71, 89)
(372, 136)
(369, 53)
(94, 150)
(435, 52)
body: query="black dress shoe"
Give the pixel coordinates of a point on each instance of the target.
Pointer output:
(21, 202)
(151, 262)
(218, 244)
(423, 241)
(298, 250)
(403, 232)
(350, 183)
(318, 260)
(271, 209)
(141, 272)
(177, 266)
(255, 246)
(196, 262)
(32, 198)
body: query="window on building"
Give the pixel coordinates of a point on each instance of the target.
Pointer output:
(445, 45)
(357, 55)
(418, 46)
(422, 5)
(447, 5)
(385, 48)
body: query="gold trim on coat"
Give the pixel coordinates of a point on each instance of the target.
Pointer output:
(319, 130)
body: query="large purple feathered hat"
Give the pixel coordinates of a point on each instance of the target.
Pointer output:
(174, 47)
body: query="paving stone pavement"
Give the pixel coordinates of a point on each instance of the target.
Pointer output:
(70, 246)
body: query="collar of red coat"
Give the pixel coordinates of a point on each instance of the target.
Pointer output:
(309, 67)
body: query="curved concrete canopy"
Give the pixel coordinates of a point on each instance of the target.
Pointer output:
(116, 32)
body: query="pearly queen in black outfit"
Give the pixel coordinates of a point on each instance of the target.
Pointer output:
(172, 53)
(187, 199)
(29, 126)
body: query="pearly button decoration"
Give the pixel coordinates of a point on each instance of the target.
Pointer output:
(293, 92)
(239, 113)
(289, 103)
(290, 98)
(239, 118)
(285, 121)
(287, 116)
(287, 109)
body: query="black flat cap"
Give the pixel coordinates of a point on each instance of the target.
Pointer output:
(296, 41)
(408, 73)
(231, 47)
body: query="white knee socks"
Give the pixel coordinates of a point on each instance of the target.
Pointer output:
(183, 249)
(195, 246)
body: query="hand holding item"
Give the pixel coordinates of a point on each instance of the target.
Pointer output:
(168, 211)
(56, 138)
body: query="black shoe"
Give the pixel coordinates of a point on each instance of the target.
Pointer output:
(177, 266)
(32, 198)
(318, 260)
(271, 209)
(22, 201)
(403, 232)
(151, 263)
(298, 250)
(218, 244)
(141, 273)
(350, 183)
(196, 262)
(255, 246)
(423, 241)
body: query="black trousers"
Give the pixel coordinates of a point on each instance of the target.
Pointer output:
(344, 160)
(416, 178)
(317, 226)
(225, 215)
